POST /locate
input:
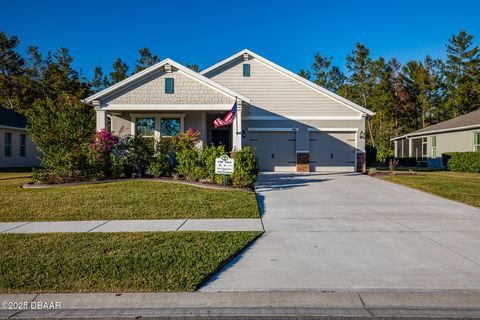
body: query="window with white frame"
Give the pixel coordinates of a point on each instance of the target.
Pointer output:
(8, 144)
(434, 147)
(145, 126)
(476, 141)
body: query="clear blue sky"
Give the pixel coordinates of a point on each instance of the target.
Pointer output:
(204, 32)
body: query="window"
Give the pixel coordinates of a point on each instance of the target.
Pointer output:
(424, 149)
(434, 147)
(145, 126)
(170, 127)
(476, 141)
(246, 70)
(8, 144)
(108, 125)
(23, 145)
(169, 85)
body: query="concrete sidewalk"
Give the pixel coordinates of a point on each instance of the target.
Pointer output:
(133, 225)
(274, 305)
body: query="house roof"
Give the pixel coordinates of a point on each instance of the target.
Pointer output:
(9, 118)
(156, 67)
(466, 122)
(304, 81)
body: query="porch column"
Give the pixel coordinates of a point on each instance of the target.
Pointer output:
(410, 148)
(237, 128)
(101, 116)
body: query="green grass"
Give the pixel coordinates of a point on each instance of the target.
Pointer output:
(457, 186)
(119, 200)
(125, 262)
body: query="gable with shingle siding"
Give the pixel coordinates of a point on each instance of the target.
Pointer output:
(151, 90)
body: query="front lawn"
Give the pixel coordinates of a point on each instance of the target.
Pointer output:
(458, 186)
(119, 200)
(126, 262)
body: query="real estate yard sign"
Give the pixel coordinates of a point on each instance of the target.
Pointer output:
(224, 165)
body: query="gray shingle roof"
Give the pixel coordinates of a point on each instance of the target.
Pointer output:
(12, 119)
(469, 119)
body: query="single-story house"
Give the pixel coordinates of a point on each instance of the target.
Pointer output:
(16, 147)
(293, 124)
(460, 134)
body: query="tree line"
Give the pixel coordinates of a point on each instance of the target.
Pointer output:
(404, 97)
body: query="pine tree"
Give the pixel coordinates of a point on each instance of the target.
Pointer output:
(119, 72)
(146, 59)
(326, 75)
(462, 74)
(193, 67)
(304, 74)
(99, 81)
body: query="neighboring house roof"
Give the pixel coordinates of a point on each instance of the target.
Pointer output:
(156, 67)
(466, 122)
(306, 82)
(12, 119)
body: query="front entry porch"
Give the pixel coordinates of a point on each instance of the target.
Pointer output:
(160, 124)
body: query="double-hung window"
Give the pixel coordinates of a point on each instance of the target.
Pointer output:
(8, 144)
(170, 127)
(23, 145)
(145, 126)
(476, 141)
(434, 147)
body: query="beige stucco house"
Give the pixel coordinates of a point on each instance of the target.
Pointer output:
(293, 124)
(16, 147)
(460, 134)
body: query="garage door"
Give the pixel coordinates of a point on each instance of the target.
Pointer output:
(332, 151)
(275, 150)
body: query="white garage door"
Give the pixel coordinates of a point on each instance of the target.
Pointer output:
(275, 150)
(332, 151)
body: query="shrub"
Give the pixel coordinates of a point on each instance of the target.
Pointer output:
(160, 165)
(188, 164)
(246, 168)
(207, 159)
(462, 161)
(187, 139)
(117, 167)
(137, 152)
(60, 128)
(392, 164)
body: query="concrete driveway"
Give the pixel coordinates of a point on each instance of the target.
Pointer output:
(354, 232)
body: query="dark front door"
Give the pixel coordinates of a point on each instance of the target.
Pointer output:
(222, 136)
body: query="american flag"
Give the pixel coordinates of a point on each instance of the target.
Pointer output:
(228, 119)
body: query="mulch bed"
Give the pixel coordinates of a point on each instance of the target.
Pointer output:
(32, 185)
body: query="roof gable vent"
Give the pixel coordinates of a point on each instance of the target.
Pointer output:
(168, 68)
(245, 56)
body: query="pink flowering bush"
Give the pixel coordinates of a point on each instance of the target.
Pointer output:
(99, 154)
(187, 140)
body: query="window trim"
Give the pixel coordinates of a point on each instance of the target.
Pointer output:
(167, 79)
(158, 117)
(10, 134)
(144, 117)
(246, 69)
(23, 146)
(476, 147)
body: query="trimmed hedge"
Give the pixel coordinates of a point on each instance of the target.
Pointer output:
(462, 161)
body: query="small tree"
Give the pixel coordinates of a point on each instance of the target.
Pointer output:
(60, 128)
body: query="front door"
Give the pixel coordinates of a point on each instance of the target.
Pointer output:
(222, 136)
(219, 136)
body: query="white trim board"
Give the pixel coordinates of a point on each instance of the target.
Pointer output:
(168, 107)
(292, 75)
(273, 129)
(428, 133)
(13, 128)
(286, 118)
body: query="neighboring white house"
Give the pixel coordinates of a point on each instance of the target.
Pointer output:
(16, 147)
(460, 134)
(293, 124)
